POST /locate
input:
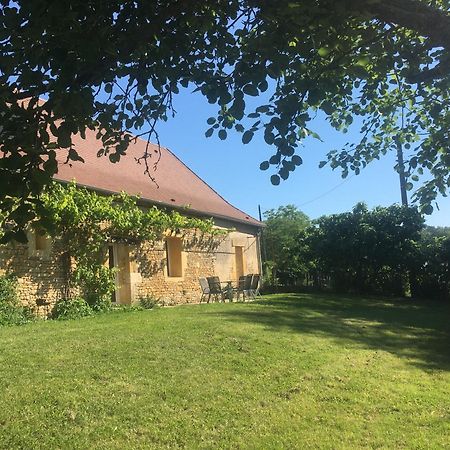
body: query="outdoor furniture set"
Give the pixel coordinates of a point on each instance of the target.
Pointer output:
(247, 286)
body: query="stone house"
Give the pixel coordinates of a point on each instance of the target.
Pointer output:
(167, 270)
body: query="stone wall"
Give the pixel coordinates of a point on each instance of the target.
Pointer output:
(201, 258)
(40, 273)
(153, 280)
(42, 277)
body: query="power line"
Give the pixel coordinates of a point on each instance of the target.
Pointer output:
(327, 192)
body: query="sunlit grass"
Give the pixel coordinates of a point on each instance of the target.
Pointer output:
(290, 371)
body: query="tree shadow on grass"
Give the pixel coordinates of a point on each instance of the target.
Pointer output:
(419, 331)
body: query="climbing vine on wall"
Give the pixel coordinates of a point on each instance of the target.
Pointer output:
(87, 222)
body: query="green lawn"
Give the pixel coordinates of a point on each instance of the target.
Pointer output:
(289, 371)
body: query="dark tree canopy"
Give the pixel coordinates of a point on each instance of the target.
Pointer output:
(117, 66)
(386, 250)
(365, 250)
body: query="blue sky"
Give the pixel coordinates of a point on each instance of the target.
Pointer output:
(232, 168)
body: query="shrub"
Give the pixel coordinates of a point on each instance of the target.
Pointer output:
(148, 302)
(97, 284)
(8, 292)
(15, 315)
(126, 308)
(99, 303)
(74, 308)
(11, 313)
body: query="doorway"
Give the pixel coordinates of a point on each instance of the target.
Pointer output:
(119, 258)
(239, 261)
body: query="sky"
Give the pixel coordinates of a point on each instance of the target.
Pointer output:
(232, 168)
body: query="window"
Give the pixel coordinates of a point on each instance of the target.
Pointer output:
(174, 247)
(39, 244)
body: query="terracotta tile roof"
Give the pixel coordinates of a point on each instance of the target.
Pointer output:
(178, 185)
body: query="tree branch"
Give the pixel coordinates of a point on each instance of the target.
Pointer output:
(414, 15)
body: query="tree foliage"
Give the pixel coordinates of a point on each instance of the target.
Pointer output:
(386, 250)
(431, 265)
(283, 262)
(366, 250)
(116, 66)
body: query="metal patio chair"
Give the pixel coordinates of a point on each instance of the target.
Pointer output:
(215, 288)
(204, 286)
(248, 285)
(240, 289)
(254, 289)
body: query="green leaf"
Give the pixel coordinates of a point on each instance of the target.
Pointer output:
(209, 132)
(286, 150)
(263, 86)
(74, 156)
(211, 121)
(250, 89)
(222, 134)
(264, 165)
(247, 137)
(289, 165)
(314, 96)
(50, 166)
(275, 180)
(327, 108)
(315, 135)
(275, 159)
(324, 51)
(322, 164)
(114, 157)
(362, 61)
(64, 138)
(238, 107)
(284, 173)
(269, 137)
(262, 109)
(297, 160)
(359, 71)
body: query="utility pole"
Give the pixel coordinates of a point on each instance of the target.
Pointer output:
(400, 160)
(263, 241)
(401, 172)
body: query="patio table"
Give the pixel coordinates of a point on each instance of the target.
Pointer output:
(228, 289)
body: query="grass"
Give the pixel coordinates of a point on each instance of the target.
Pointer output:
(289, 371)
